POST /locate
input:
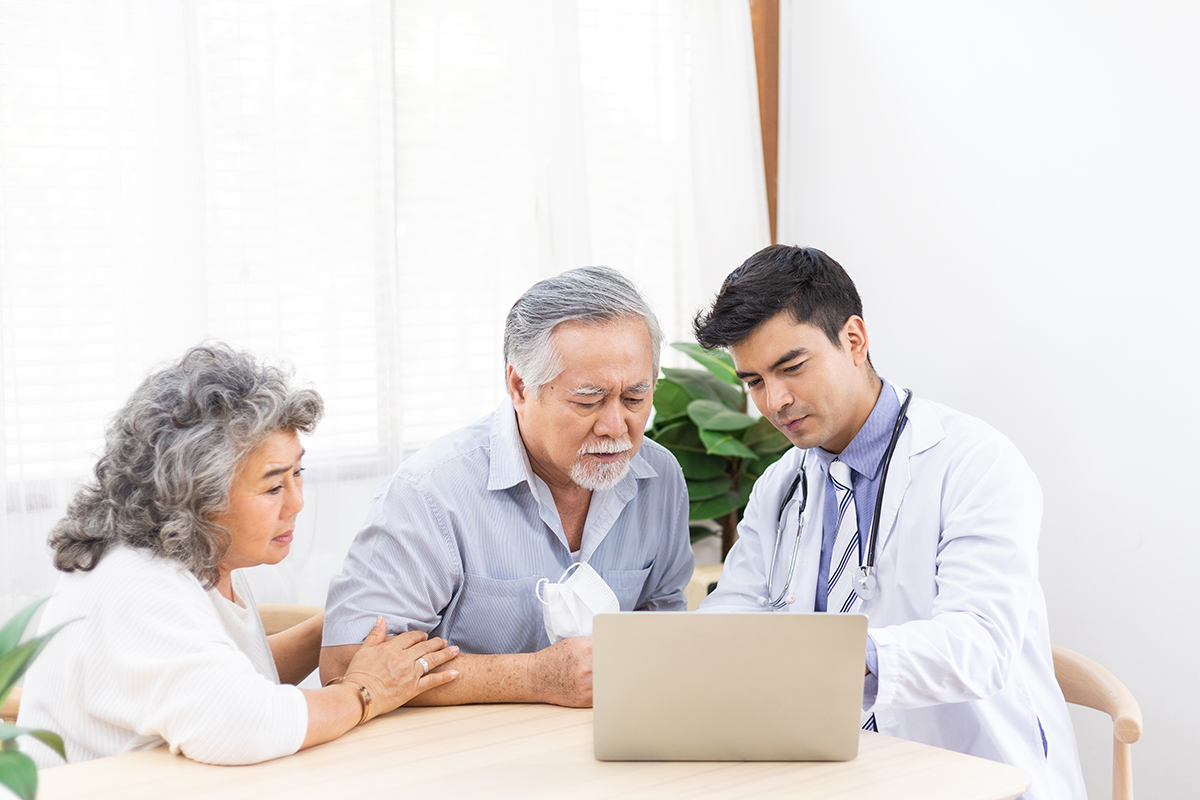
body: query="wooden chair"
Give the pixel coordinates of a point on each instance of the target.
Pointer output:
(11, 705)
(1086, 683)
(278, 617)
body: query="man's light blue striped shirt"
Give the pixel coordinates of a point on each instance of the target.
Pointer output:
(457, 539)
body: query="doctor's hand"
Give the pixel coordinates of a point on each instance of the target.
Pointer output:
(563, 671)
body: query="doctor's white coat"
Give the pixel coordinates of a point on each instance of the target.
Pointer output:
(959, 621)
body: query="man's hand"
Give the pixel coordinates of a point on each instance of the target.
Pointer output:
(560, 674)
(563, 672)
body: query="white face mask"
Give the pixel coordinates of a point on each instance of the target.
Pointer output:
(569, 605)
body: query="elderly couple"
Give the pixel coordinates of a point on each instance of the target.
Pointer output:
(488, 551)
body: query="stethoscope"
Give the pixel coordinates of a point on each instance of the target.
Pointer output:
(865, 584)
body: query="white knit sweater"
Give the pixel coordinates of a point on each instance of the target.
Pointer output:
(153, 658)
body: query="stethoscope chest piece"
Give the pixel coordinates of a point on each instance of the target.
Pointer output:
(865, 584)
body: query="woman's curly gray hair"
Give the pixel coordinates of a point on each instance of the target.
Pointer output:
(171, 455)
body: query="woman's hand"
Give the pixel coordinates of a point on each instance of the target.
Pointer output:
(388, 666)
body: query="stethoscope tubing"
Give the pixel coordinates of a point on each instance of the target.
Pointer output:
(801, 480)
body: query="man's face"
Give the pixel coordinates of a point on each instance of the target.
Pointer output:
(814, 392)
(586, 424)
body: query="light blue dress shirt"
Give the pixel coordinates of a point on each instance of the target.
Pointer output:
(864, 456)
(457, 539)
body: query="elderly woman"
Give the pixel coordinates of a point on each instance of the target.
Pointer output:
(200, 477)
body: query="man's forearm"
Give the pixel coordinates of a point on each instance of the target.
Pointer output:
(560, 674)
(484, 679)
(509, 678)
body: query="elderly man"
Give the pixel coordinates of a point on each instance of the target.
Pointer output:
(506, 536)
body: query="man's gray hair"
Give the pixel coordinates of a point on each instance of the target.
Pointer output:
(171, 455)
(587, 294)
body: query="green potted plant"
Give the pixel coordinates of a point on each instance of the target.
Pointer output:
(700, 416)
(17, 770)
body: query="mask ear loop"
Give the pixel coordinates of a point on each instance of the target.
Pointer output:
(544, 581)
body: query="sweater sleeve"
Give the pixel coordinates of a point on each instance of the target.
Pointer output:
(164, 666)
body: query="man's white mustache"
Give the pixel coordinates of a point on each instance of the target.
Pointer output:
(607, 446)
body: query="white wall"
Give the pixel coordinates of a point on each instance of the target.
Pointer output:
(1015, 187)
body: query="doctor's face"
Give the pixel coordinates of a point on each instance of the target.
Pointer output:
(817, 394)
(586, 424)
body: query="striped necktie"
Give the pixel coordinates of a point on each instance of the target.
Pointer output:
(845, 557)
(844, 560)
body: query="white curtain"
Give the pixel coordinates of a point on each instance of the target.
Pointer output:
(358, 187)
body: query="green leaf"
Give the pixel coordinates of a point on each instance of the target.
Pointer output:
(702, 490)
(670, 401)
(699, 466)
(745, 486)
(755, 469)
(698, 532)
(703, 386)
(50, 739)
(712, 416)
(763, 437)
(714, 507)
(679, 435)
(717, 362)
(723, 444)
(10, 634)
(14, 663)
(683, 440)
(18, 773)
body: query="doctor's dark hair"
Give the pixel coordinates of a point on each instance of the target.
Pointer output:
(596, 295)
(801, 280)
(171, 455)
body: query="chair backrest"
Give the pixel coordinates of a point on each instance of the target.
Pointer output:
(1086, 683)
(11, 705)
(278, 617)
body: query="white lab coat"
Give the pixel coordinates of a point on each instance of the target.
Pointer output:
(959, 621)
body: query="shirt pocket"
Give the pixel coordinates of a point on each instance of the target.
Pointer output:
(627, 585)
(494, 616)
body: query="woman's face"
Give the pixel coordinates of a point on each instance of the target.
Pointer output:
(267, 495)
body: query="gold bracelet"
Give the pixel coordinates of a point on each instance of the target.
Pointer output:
(364, 697)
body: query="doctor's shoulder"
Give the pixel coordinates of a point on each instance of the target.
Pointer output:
(973, 450)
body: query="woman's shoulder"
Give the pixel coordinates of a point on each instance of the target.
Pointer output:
(123, 564)
(127, 578)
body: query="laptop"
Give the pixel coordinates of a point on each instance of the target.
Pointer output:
(677, 686)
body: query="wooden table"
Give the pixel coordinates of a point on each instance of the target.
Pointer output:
(526, 751)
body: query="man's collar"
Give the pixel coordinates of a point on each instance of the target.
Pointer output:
(865, 452)
(510, 461)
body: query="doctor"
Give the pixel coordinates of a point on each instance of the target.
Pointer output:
(938, 548)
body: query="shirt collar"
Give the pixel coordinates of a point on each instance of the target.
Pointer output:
(865, 452)
(510, 461)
